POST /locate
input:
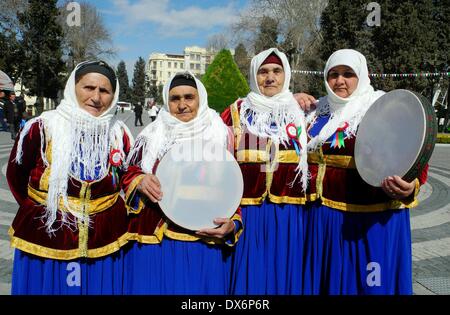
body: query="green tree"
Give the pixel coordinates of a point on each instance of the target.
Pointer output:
(343, 26)
(122, 76)
(224, 82)
(442, 28)
(12, 56)
(242, 60)
(412, 37)
(267, 34)
(405, 43)
(41, 41)
(159, 95)
(139, 82)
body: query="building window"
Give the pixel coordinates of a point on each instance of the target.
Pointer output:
(175, 65)
(160, 64)
(192, 57)
(198, 57)
(192, 66)
(169, 65)
(160, 74)
(197, 66)
(208, 59)
(170, 74)
(182, 65)
(154, 64)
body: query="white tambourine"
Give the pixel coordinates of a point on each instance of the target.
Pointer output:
(200, 182)
(395, 137)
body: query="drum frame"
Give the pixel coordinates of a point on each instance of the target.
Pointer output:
(429, 141)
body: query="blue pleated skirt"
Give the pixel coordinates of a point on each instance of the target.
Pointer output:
(41, 276)
(357, 253)
(268, 255)
(175, 267)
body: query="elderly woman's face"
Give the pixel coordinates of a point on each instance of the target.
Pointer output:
(342, 80)
(184, 102)
(94, 93)
(270, 79)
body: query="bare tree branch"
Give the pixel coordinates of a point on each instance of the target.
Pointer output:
(90, 40)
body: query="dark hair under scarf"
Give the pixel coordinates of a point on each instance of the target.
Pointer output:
(183, 79)
(97, 67)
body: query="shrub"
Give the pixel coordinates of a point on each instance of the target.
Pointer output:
(224, 81)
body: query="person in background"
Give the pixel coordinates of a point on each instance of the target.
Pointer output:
(138, 114)
(4, 100)
(11, 112)
(153, 112)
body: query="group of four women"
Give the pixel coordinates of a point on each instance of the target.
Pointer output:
(307, 222)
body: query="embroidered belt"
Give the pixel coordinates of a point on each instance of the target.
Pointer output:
(89, 206)
(341, 161)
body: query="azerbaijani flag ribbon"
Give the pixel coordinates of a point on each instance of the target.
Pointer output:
(338, 139)
(293, 133)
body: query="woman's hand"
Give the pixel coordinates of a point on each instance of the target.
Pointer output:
(226, 227)
(307, 102)
(151, 187)
(397, 188)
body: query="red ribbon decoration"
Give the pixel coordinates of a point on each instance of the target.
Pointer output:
(115, 158)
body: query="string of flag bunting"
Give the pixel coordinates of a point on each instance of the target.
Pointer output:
(385, 75)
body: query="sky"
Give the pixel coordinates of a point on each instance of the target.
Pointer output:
(141, 27)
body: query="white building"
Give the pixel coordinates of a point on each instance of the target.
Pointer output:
(160, 67)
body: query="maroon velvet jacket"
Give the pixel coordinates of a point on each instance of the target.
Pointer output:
(28, 182)
(268, 171)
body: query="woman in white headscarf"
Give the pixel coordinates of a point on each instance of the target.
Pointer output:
(64, 172)
(270, 147)
(357, 237)
(167, 259)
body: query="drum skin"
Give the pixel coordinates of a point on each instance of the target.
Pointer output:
(395, 137)
(199, 182)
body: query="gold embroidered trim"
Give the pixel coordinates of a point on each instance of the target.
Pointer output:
(129, 195)
(76, 204)
(62, 254)
(341, 161)
(236, 120)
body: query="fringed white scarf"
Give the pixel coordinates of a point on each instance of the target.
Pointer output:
(159, 136)
(344, 110)
(267, 117)
(81, 144)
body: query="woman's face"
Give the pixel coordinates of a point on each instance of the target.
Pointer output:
(342, 80)
(184, 102)
(270, 79)
(94, 93)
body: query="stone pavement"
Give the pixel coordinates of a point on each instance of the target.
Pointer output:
(430, 221)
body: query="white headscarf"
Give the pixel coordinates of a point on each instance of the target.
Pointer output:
(159, 136)
(351, 109)
(81, 144)
(265, 112)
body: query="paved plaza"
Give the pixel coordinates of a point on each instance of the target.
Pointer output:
(430, 221)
